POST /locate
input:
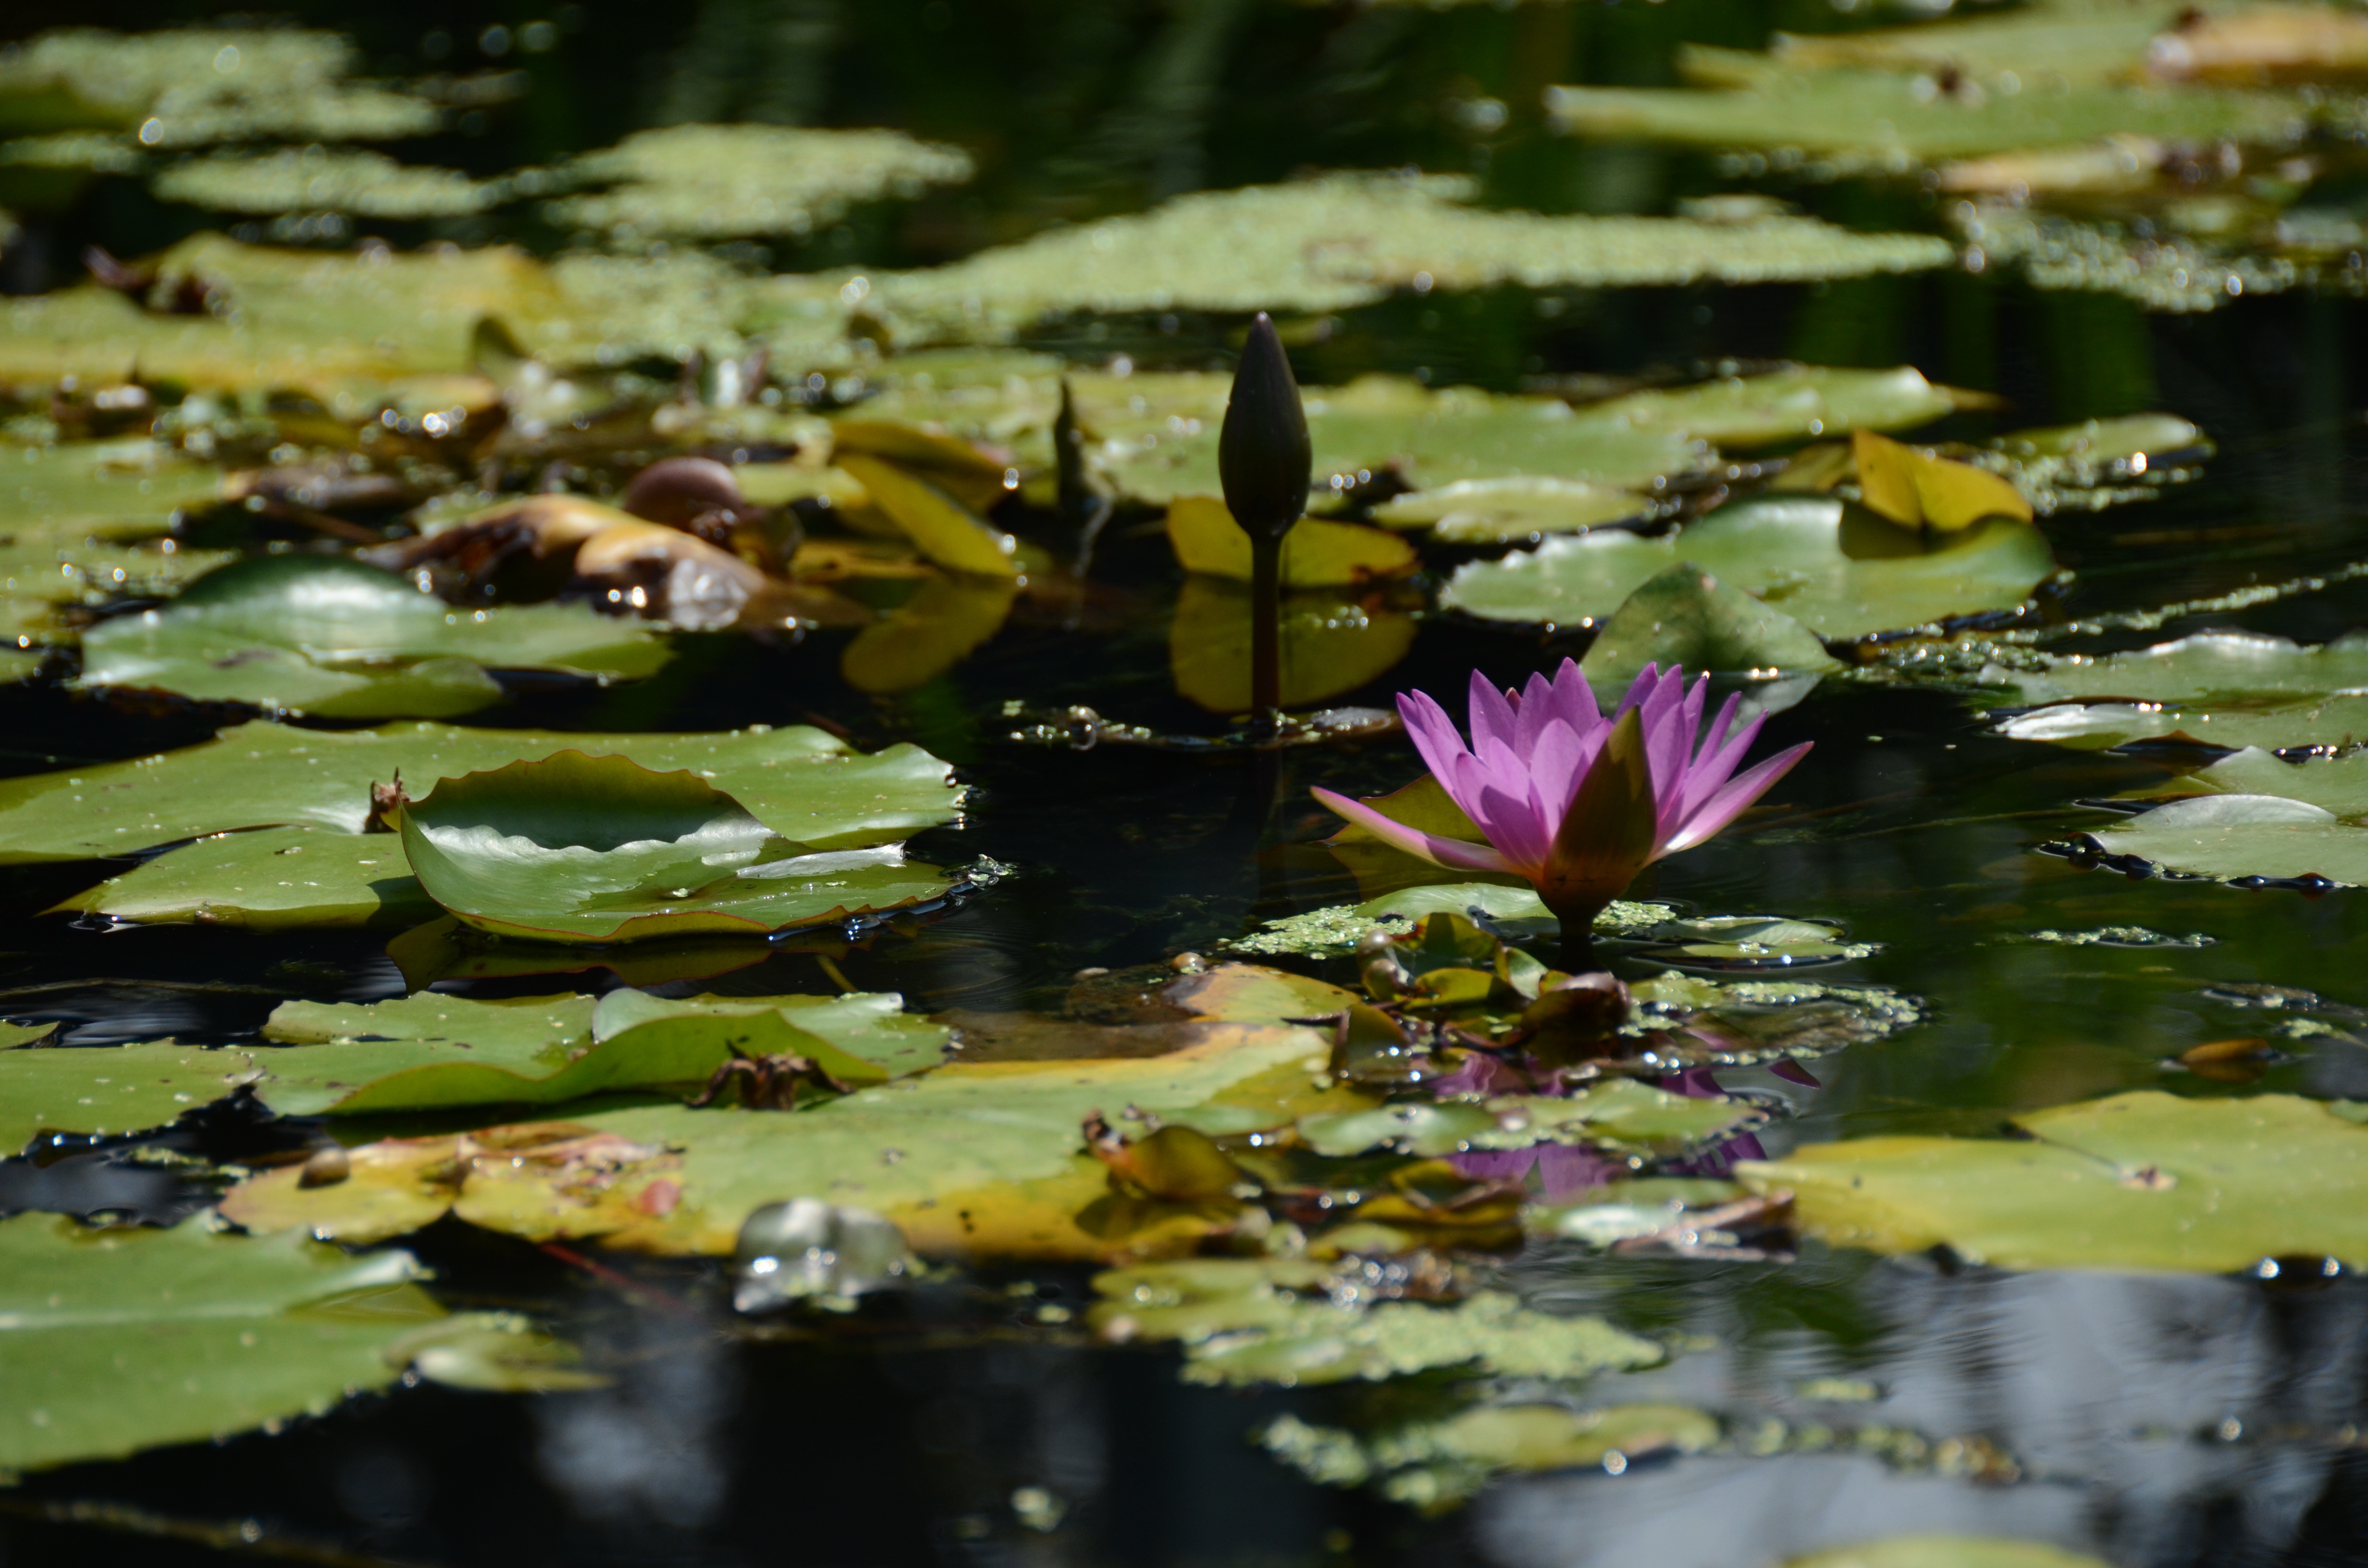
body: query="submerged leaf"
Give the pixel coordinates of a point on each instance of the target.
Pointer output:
(576, 848)
(944, 621)
(2137, 1181)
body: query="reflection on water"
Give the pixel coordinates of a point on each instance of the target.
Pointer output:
(2145, 1418)
(647, 1450)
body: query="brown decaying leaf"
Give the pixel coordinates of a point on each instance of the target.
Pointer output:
(2262, 46)
(2239, 1061)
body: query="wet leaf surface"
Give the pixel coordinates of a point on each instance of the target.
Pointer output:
(732, 181)
(110, 1089)
(336, 639)
(2140, 1180)
(267, 879)
(1828, 569)
(124, 1340)
(576, 848)
(802, 783)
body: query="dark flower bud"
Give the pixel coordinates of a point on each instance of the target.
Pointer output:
(1263, 454)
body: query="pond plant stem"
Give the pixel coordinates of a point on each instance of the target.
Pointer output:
(1265, 459)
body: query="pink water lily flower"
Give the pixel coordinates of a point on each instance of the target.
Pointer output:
(1572, 801)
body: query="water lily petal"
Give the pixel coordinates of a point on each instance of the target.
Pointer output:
(1450, 852)
(1493, 718)
(1434, 735)
(1731, 799)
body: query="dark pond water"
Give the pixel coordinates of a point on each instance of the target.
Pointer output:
(2154, 1421)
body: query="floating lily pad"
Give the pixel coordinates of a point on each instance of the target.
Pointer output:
(1621, 1114)
(74, 491)
(2338, 785)
(336, 639)
(106, 1089)
(1684, 616)
(1315, 553)
(576, 848)
(1841, 574)
(1511, 511)
(1786, 404)
(267, 879)
(2137, 1181)
(2098, 463)
(1348, 240)
(2233, 836)
(804, 784)
(967, 1159)
(318, 180)
(1735, 1023)
(1332, 642)
(112, 1341)
(2241, 665)
(1240, 1324)
(713, 182)
(1946, 1552)
(1851, 122)
(433, 1052)
(1432, 1465)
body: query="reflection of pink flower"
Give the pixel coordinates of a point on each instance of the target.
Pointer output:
(1562, 1168)
(1575, 802)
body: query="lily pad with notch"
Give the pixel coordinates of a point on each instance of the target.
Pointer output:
(804, 784)
(578, 848)
(336, 639)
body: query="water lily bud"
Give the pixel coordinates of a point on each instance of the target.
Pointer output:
(1263, 453)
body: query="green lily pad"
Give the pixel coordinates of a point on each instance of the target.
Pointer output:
(1737, 1023)
(715, 182)
(1620, 1114)
(804, 784)
(2336, 784)
(1344, 240)
(1240, 1324)
(1684, 616)
(270, 879)
(2233, 836)
(1838, 573)
(105, 1089)
(320, 179)
(432, 1052)
(1946, 1552)
(1510, 511)
(576, 848)
(2323, 723)
(2096, 463)
(1853, 122)
(1433, 1465)
(2210, 665)
(74, 491)
(2136, 1181)
(1785, 405)
(336, 639)
(114, 1341)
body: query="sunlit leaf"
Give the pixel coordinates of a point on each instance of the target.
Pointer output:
(1332, 642)
(601, 849)
(116, 1340)
(1345, 239)
(1684, 616)
(2137, 1181)
(2337, 784)
(727, 181)
(336, 639)
(267, 879)
(946, 531)
(109, 1089)
(72, 492)
(2244, 836)
(1917, 490)
(2225, 688)
(1315, 553)
(802, 783)
(316, 179)
(1510, 511)
(2279, 43)
(1836, 573)
(1621, 1113)
(1433, 1465)
(433, 1052)
(1946, 1552)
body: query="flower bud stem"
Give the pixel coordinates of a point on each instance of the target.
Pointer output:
(1266, 633)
